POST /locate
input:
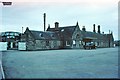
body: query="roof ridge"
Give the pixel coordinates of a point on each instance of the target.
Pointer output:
(64, 27)
(69, 26)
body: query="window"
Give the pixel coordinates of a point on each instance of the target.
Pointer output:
(80, 42)
(7, 34)
(98, 43)
(41, 35)
(73, 41)
(2, 34)
(52, 35)
(77, 36)
(11, 34)
(47, 43)
(67, 43)
(16, 34)
(62, 30)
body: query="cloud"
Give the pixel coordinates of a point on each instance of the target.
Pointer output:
(86, 12)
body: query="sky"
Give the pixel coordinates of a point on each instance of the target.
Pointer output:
(29, 13)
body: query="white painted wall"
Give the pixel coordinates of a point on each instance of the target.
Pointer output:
(22, 46)
(3, 46)
(11, 44)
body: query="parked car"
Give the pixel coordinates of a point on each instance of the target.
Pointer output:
(90, 46)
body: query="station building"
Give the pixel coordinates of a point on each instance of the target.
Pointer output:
(65, 37)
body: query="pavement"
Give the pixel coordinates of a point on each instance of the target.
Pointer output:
(0, 65)
(2, 76)
(75, 63)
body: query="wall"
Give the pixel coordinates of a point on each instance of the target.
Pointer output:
(3, 46)
(40, 44)
(77, 37)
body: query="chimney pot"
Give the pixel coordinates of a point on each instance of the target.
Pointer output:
(83, 28)
(94, 28)
(44, 21)
(56, 25)
(98, 28)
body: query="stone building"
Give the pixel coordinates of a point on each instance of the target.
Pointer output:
(65, 37)
(73, 37)
(70, 36)
(100, 40)
(39, 40)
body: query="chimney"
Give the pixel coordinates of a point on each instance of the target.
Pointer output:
(109, 31)
(56, 25)
(48, 25)
(77, 23)
(44, 21)
(103, 32)
(94, 28)
(98, 28)
(83, 28)
(22, 30)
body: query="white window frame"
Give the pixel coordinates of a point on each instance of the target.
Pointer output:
(67, 43)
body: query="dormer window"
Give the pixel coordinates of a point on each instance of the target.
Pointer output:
(77, 36)
(52, 35)
(41, 35)
(62, 30)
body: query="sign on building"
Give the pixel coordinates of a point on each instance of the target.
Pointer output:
(3, 46)
(22, 46)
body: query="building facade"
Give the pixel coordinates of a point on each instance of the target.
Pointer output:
(39, 40)
(73, 37)
(65, 37)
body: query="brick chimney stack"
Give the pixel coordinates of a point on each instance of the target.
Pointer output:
(94, 28)
(56, 26)
(83, 28)
(98, 28)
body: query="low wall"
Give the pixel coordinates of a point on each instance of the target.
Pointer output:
(3, 46)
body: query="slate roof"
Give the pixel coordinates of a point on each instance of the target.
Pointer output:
(40, 35)
(94, 35)
(66, 31)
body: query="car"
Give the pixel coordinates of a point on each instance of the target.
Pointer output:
(89, 46)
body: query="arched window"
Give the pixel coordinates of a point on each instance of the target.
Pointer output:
(41, 35)
(77, 36)
(73, 41)
(62, 30)
(52, 35)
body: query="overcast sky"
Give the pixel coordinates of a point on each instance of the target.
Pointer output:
(29, 13)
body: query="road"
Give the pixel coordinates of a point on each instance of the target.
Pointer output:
(75, 63)
(0, 65)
